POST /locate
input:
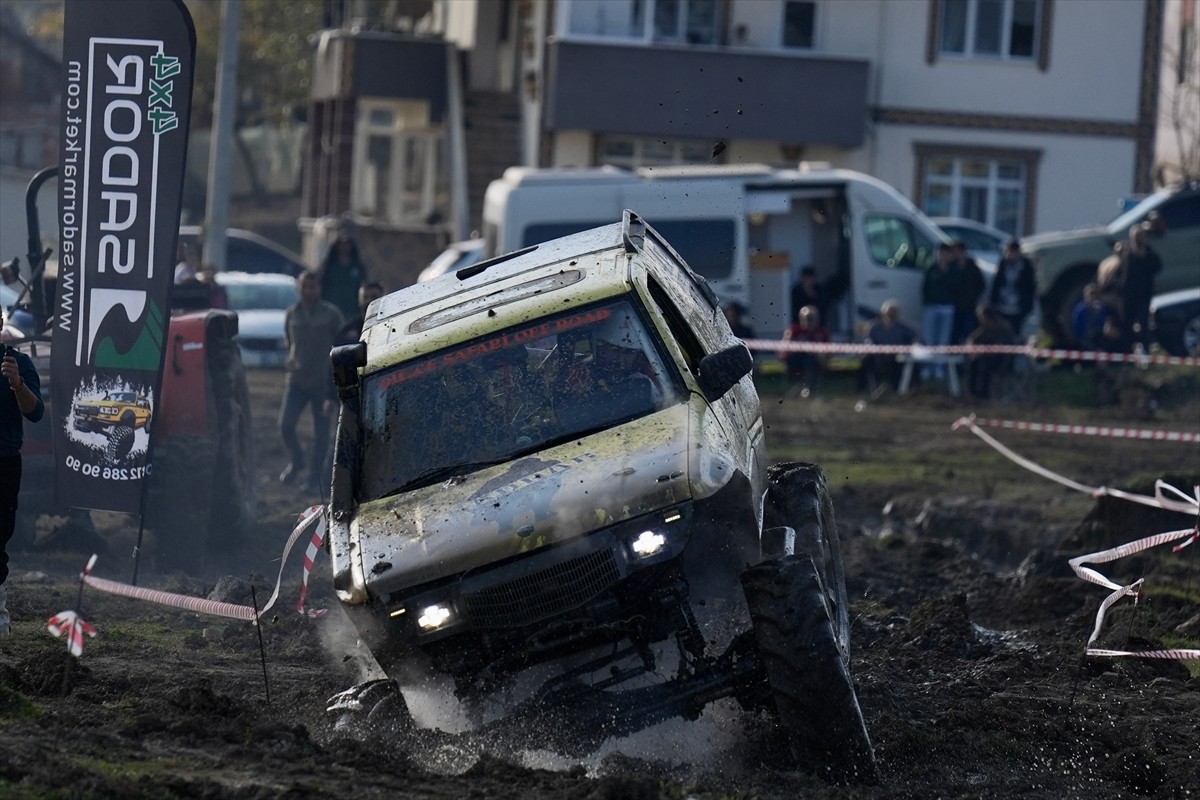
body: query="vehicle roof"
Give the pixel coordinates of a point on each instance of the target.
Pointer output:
(530, 283)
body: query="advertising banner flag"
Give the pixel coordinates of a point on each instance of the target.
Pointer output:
(127, 94)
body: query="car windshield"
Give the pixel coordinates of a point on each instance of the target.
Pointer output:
(513, 392)
(247, 296)
(1121, 225)
(121, 397)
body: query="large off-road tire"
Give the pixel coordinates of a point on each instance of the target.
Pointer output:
(376, 707)
(808, 673)
(797, 497)
(120, 442)
(234, 497)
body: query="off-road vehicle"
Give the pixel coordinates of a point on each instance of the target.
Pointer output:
(113, 409)
(552, 463)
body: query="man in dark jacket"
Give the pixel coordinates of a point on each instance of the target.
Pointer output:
(1014, 287)
(20, 400)
(1142, 266)
(969, 285)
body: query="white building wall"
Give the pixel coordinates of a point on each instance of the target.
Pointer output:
(1094, 66)
(1078, 179)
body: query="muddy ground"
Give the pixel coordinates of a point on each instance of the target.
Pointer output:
(967, 637)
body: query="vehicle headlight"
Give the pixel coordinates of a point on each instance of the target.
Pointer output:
(108, 409)
(648, 543)
(435, 617)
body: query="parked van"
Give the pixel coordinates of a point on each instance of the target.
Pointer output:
(748, 229)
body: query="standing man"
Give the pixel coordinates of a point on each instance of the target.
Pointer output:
(969, 285)
(1142, 266)
(1014, 287)
(311, 328)
(367, 294)
(20, 397)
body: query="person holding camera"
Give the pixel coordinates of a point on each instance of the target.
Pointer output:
(20, 399)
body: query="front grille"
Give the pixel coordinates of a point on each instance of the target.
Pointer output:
(542, 593)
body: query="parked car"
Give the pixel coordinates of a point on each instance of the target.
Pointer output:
(246, 251)
(260, 301)
(1175, 319)
(1066, 261)
(455, 257)
(984, 242)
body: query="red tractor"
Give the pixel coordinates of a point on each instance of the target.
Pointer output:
(200, 496)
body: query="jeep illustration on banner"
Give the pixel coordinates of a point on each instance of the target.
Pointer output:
(126, 99)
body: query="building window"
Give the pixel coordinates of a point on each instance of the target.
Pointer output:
(992, 187)
(400, 174)
(690, 21)
(632, 152)
(799, 18)
(1006, 29)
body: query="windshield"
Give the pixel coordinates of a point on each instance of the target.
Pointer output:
(1121, 225)
(513, 392)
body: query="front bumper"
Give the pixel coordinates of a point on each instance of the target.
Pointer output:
(537, 587)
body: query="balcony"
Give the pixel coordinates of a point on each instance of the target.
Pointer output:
(705, 93)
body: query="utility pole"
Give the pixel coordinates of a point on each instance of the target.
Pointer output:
(221, 149)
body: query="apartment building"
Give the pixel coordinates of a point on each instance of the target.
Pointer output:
(1029, 115)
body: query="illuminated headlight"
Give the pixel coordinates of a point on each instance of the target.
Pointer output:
(435, 617)
(648, 543)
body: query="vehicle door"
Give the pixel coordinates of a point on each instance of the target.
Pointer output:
(699, 328)
(890, 253)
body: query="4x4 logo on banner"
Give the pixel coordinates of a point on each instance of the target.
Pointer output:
(127, 93)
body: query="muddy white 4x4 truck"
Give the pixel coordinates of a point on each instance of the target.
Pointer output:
(552, 464)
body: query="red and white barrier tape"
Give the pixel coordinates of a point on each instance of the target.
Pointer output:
(71, 625)
(1130, 590)
(1183, 505)
(1111, 432)
(69, 622)
(920, 351)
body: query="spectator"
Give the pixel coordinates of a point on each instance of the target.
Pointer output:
(804, 368)
(188, 268)
(991, 330)
(342, 272)
(367, 294)
(938, 292)
(1110, 279)
(1014, 287)
(1142, 266)
(735, 313)
(1089, 320)
(311, 328)
(969, 284)
(880, 370)
(20, 400)
(807, 292)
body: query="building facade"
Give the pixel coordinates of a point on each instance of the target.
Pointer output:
(1028, 115)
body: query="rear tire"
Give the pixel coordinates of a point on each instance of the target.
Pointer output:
(234, 498)
(369, 709)
(807, 671)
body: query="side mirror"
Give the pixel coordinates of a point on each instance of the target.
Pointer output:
(719, 372)
(347, 358)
